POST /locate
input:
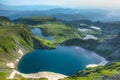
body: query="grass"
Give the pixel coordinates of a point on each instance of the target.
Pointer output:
(43, 43)
(14, 37)
(108, 72)
(27, 79)
(4, 19)
(61, 32)
(35, 20)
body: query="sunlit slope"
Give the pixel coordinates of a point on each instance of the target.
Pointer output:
(14, 37)
(108, 72)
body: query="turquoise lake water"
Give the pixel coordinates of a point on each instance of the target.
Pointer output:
(37, 31)
(63, 60)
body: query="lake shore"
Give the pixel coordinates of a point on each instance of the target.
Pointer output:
(48, 75)
(51, 75)
(102, 63)
(44, 74)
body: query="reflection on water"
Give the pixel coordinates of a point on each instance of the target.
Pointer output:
(64, 60)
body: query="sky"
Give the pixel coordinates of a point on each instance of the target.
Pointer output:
(99, 4)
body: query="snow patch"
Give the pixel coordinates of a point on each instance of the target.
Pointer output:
(17, 60)
(88, 36)
(95, 27)
(11, 65)
(12, 75)
(83, 29)
(91, 65)
(83, 25)
(20, 51)
(102, 63)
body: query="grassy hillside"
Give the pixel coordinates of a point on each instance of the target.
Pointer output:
(60, 32)
(18, 36)
(13, 38)
(4, 19)
(109, 72)
(51, 27)
(35, 20)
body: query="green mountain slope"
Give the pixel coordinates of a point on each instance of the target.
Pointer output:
(61, 32)
(51, 27)
(14, 37)
(35, 20)
(109, 72)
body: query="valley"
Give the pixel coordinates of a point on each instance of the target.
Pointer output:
(28, 34)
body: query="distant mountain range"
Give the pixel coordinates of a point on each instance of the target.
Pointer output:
(65, 14)
(27, 7)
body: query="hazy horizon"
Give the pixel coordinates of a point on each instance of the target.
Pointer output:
(82, 4)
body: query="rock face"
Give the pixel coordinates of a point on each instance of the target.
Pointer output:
(112, 45)
(18, 36)
(106, 43)
(109, 48)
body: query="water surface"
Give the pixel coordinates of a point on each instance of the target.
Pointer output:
(63, 60)
(37, 32)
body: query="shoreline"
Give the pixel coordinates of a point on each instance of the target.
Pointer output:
(49, 75)
(44, 74)
(102, 63)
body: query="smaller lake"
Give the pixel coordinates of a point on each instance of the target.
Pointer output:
(63, 60)
(37, 32)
